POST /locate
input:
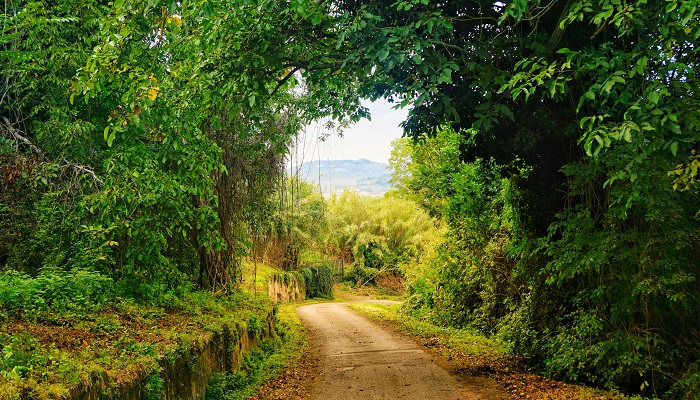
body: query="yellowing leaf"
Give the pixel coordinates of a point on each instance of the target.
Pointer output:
(152, 93)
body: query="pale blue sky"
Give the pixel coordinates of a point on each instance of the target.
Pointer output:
(366, 139)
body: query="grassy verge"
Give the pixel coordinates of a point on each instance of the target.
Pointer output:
(452, 340)
(50, 350)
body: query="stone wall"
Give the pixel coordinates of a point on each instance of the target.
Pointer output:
(286, 287)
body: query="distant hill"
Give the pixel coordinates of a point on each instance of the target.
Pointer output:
(363, 176)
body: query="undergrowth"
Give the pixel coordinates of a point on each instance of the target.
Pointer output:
(454, 343)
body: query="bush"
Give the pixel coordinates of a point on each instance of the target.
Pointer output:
(688, 387)
(585, 352)
(361, 275)
(319, 281)
(421, 297)
(53, 290)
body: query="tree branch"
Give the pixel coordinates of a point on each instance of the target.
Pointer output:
(558, 33)
(15, 133)
(284, 80)
(83, 168)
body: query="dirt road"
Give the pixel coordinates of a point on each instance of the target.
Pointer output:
(362, 360)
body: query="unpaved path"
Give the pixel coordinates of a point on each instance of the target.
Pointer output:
(362, 360)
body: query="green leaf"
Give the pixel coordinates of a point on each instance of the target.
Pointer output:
(627, 134)
(341, 38)
(208, 9)
(653, 97)
(674, 148)
(675, 128)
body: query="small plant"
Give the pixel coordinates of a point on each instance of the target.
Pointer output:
(154, 389)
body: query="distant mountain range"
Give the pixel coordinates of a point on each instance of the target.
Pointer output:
(363, 176)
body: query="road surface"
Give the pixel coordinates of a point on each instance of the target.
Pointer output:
(362, 360)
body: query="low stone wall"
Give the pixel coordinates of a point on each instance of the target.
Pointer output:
(286, 287)
(187, 376)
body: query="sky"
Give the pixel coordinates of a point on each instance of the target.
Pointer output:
(365, 139)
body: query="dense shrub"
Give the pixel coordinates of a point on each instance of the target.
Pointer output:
(361, 275)
(607, 296)
(53, 291)
(319, 281)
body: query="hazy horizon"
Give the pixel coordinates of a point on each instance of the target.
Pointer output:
(370, 140)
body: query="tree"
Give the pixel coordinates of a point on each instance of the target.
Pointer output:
(215, 74)
(584, 107)
(399, 163)
(50, 158)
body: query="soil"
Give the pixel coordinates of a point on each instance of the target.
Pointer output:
(327, 370)
(295, 383)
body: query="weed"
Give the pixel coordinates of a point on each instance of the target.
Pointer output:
(70, 293)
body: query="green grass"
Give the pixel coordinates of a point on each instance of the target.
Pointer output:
(462, 340)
